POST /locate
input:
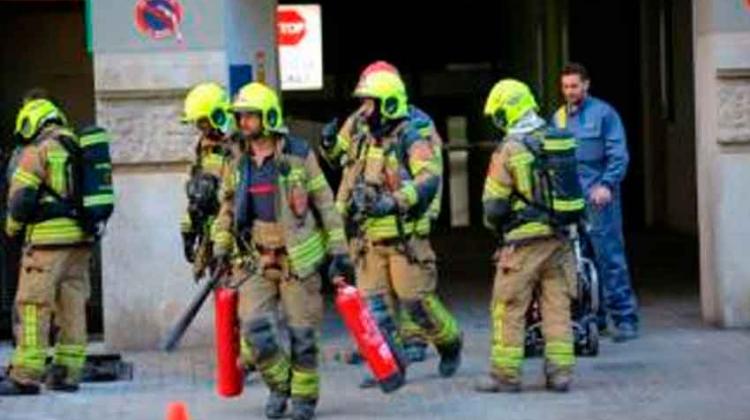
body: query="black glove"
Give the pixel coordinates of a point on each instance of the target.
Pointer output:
(328, 135)
(341, 267)
(188, 246)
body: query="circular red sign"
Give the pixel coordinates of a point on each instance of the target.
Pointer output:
(291, 27)
(159, 19)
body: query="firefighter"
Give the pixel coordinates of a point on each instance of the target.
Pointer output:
(207, 108)
(334, 150)
(524, 204)
(392, 174)
(54, 275)
(278, 206)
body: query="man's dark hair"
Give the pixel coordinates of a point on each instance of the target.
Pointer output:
(575, 68)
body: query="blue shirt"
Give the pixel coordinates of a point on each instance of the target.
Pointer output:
(602, 147)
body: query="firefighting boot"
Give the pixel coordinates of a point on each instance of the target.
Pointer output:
(494, 384)
(450, 358)
(9, 387)
(276, 405)
(558, 379)
(57, 379)
(303, 409)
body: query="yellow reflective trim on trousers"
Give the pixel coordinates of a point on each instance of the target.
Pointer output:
(336, 235)
(92, 139)
(276, 372)
(30, 326)
(529, 230)
(518, 205)
(71, 355)
(559, 145)
(446, 327)
(317, 183)
(341, 207)
(305, 384)
(98, 200)
(26, 178)
(223, 239)
(495, 189)
(559, 204)
(409, 191)
(502, 355)
(296, 174)
(560, 353)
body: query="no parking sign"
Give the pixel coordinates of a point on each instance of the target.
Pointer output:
(159, 19)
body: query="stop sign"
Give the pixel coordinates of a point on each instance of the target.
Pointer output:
(291, 27)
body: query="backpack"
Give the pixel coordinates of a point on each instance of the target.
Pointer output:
(555, 163)
(92, 198)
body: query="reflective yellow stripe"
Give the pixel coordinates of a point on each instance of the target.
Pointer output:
(186, 223)
(559, 144)
(495, 189)
(423, 226)
(12, 226)
(92, 139)
(26, 178)
(560, 353)
(561, 117)
(98, 200)
(72, 356)
(502, 356)
(222, 239)
(57, 161)
(529, 230)
(409, 192)
(305, 384)
(343, 143)
(308, 253)
(341, 207)
(317, 183)
(520, 164)
(375, 153)
(296, 175)
(30, 325)
(568, 205)
(336, 235)
(57, 231)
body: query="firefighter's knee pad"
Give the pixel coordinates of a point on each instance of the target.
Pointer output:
(262, 337)
(304, 347)
(419, 313)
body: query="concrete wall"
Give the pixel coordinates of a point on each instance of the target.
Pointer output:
(140, 84)
(722, 82)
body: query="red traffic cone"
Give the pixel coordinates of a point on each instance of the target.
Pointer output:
(177, 411)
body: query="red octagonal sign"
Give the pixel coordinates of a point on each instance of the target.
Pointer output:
(291, 27)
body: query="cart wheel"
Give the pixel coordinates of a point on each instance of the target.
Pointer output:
(591, 348)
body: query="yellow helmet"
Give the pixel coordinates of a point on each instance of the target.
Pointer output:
(509, 100)
(257, 97)
(34, 114)
(209, 101)
(387, 87)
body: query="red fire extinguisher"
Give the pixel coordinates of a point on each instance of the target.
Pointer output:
(370, 341)
(229, 376)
